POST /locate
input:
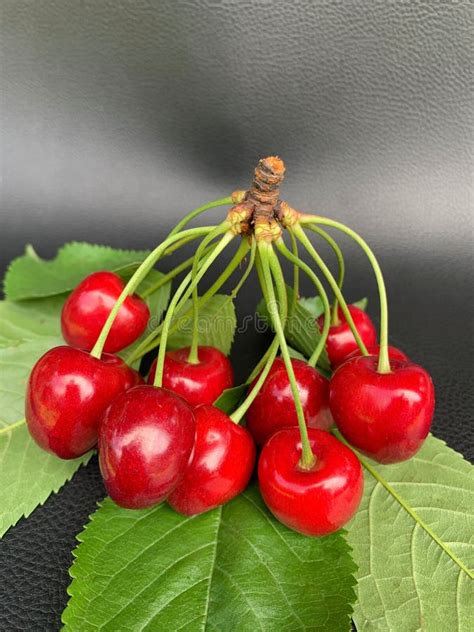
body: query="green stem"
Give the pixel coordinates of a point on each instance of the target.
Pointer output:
(226, 239)
(296, 275)
(137, 278)
(280, 286)
(266, 253)
(261, 363)
(300, 234)
(340, 262)
(153, 339)
(169, 276)
(193, 356)
(261, 279)
(248, 270)
(201, 209)
(239, 412)
(178, 244)
(384, 361)
(313, 360)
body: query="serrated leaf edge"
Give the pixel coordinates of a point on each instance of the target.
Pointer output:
(64, 247)
(75, 569)
(54, 490)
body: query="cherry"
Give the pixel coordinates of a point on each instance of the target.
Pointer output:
(393, 353)
(145, 441)
(88, 306)
(384, 415)
(68, 390)
(341, 342)
(220, 467)
(200, 383)
(317, 501)
(274, 407)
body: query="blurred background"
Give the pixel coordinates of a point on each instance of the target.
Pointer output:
(119, 117)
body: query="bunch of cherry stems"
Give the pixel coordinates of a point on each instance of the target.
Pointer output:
(264, 258)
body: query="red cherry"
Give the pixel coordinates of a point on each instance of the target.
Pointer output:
(221, 464)
(341, 342)
(67, 393)
(393, 353)
(274, 407)
(145, 441)
(385, 415)
(314, 502)
(88, 306)
(200, 383)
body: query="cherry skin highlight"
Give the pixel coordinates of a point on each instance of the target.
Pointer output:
(220, 467)
(341, 342)
(200, 383)
(314, 502)
(145, 440)
(393, 353)
(88, 306)
(274, 407)
(68, 390)
(387, 416)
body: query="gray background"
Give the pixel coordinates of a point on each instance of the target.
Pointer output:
(118, 117)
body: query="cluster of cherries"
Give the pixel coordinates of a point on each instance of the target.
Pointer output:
(171, 443)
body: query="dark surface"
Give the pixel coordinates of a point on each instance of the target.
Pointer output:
(118, 117)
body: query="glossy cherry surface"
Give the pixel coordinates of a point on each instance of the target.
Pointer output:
(145, 440)
(68, 390)
(314, 502)
(393, 353)
(221, 464)
(341, 342)
(384, 415)
(88, 306)
(200, 383)
(274, 408)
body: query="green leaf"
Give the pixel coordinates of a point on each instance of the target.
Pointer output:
(415, 571)
(314, 305)
(230, 398)
(217, 323)
(28, 474)
(296, 354)
(31, 277)
(362, 303)
(30, 319)
(234, 568)
(301, 330)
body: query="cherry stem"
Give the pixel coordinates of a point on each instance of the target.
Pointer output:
(300, 234)
(296, 275)
(169, 276)
(341, 266)
(313, 360)
(271, 270)
(193, 357)
(384, 361)
(142, 348)
(138, 276)
(201, 209)
(239, 412)
(253, 249)
(225, 240)
(153, 339)
(261, 363)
